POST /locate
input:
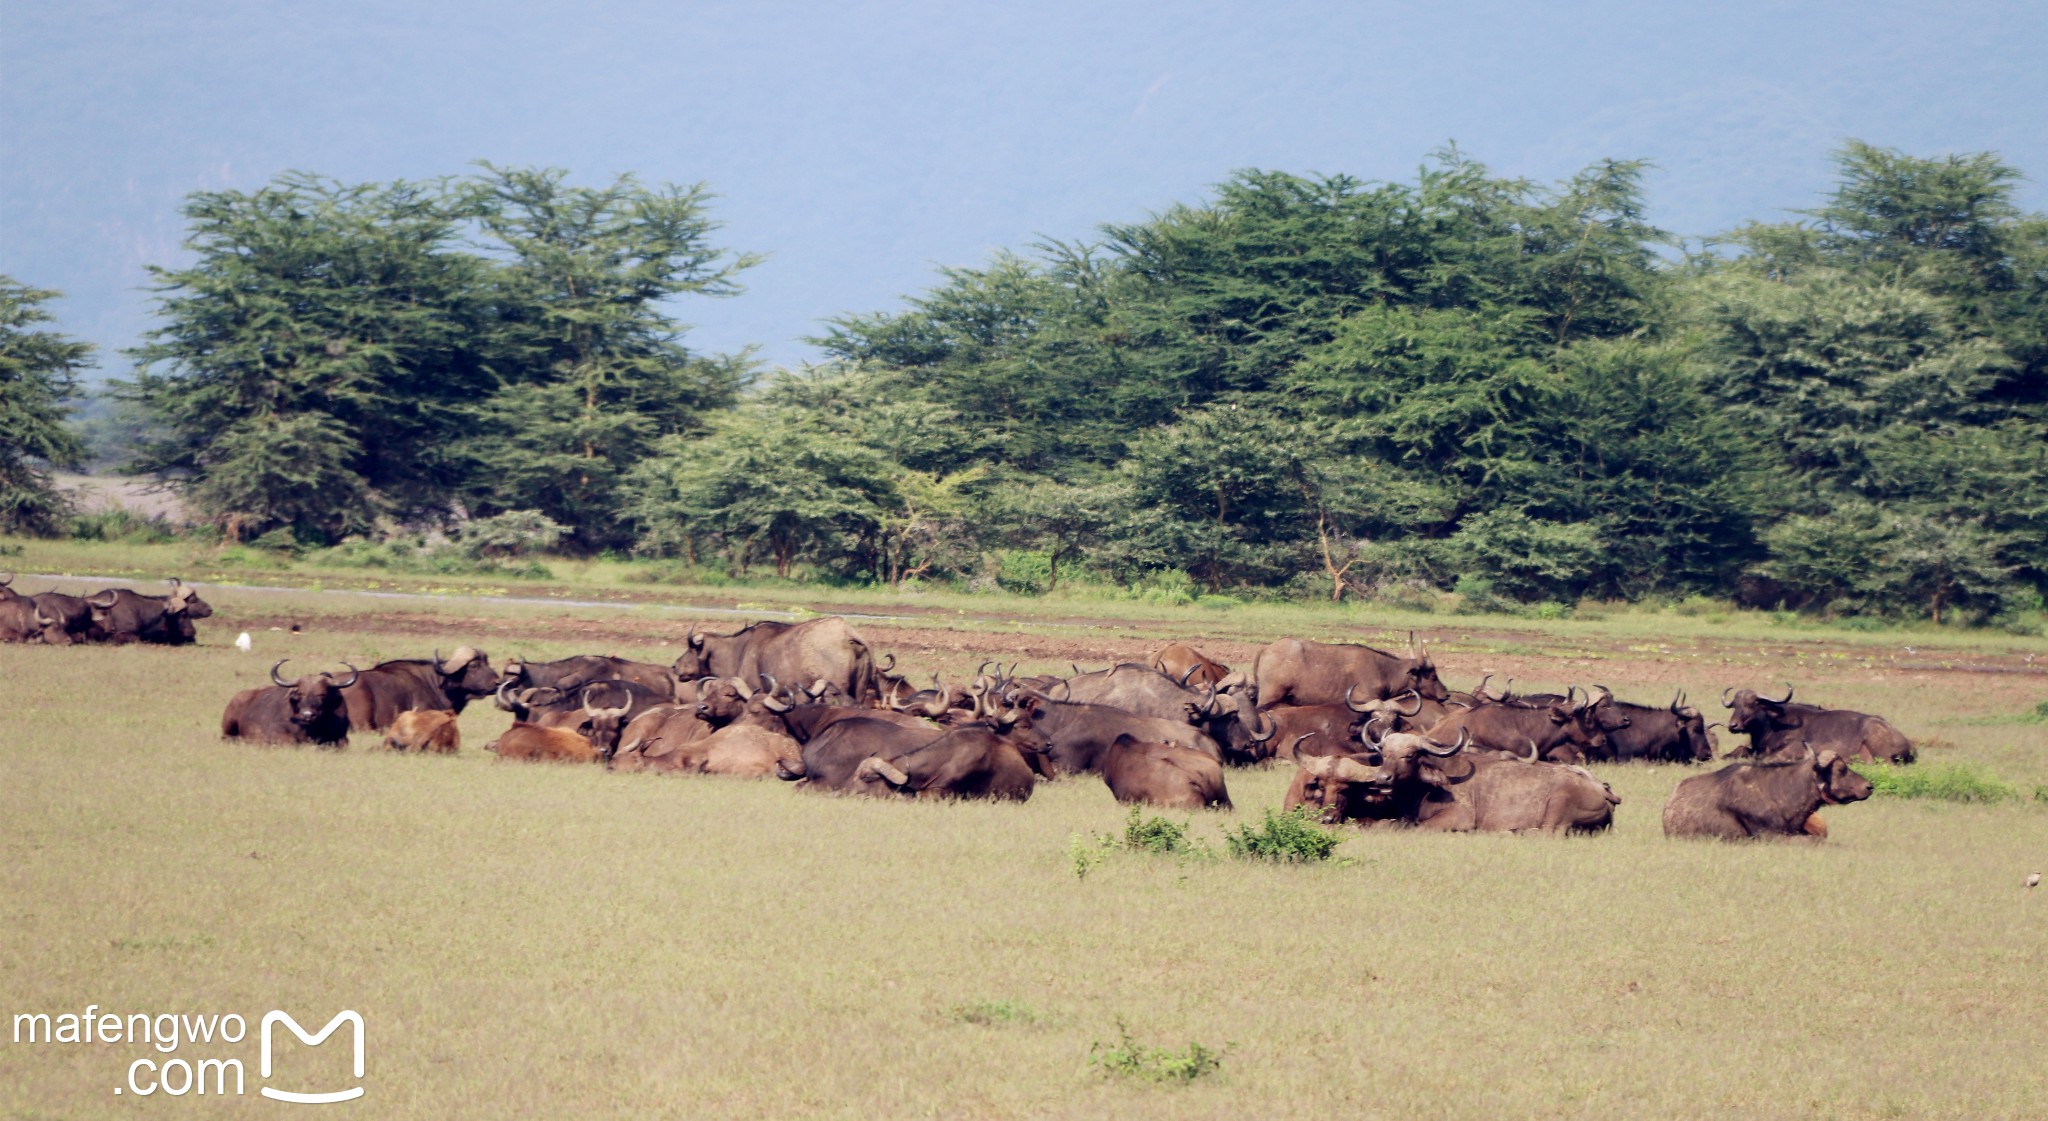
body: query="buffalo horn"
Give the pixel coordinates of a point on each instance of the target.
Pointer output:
(353, 673)
(111, 595)
(1294, 748)
(891, 667)
(603, 713)
(1353, 705)
(503, 702)
(1186, 677)
(1417, 710)
(1431, 747)
(1787, 698)
(274, 678)
(1267, 728)
(1725, 702)
(745, 691)
(876, 767)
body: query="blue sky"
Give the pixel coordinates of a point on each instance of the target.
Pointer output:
(860, 146)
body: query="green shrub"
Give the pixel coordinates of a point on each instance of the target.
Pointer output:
(1022, 573)
(514, 533)
(122, 525)
(1128, 1058)
(1157, 834)
(1944, 782)
(1085, 853)
(1291, 837)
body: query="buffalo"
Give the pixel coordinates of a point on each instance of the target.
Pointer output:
(1774, 799)
(1676, 733)
(818, 650)
(424, 729)
(1416, 780)
(573, 673)
(384, 691)
(53, 618)
(309, 709)
(973, 761)
(1189, 666)
(125, 616)
(533, 743)
(1773, 725)
(1162, 774)
(1298, 672)
(1080, 733)
(1567, 730)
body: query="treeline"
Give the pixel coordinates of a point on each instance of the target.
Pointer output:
(1309, 386)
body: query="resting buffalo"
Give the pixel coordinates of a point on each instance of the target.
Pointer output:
(562, 707)
(533, 743)
(1298, 672)
(1143, 691)
(1162, 774)
(1415, 779)
(973, 761)
(1773, 726)
(19, 621)
(307, 710)
(818, 650)
(424, 730)
(1675, 734)
(1568, 730)
(1189, 666)
(1775, 799)
(574, 673)
(126, 616)
(750, 742)
(1081, 733)
(384, 691)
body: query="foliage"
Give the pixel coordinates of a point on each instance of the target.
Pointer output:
(1944, 782)
(514, 533)
(1128, 1058)
(1293, 837)
(38, 373)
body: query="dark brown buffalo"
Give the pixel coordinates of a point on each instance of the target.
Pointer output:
(552, 707)
(1459, 789)
(1080, 733)
(1343, 788)
(1774, 725)
(1162, 774)
(309, 709)
(1189, 666)
(19, 621)
(1143, 691)
(126, 616)
(1774, 799)
(1568, 731)
(574, 673)
(66, 619)
(831, 757)
(1313, 730)
(1298, 672)
(1676, 733)
(386, 690)
(826, 650)
(973, 761)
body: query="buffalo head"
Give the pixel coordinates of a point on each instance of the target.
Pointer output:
(314, 696)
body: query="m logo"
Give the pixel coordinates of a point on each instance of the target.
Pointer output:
(349, 1018)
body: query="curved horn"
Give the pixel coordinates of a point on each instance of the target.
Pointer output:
(1353, 705)
(503, 702)
(1431, 747)
(768, 682)
(1267, 730)
(1606, 697)
(1417, 710)
(740, 685)
(1065, 689)
(1535, 753)
(1787, 698)
(46, 621)
(941, 700)
(1479, 690)
(874, 766)
(1725, 702)
(353, 673)
(891, 667)
(274, 678)
(6, 578)
(1184, 678)
(695, 640)
(176, 583)
(111, 595)
(1295, 747)
(982, 669)
(603, 713)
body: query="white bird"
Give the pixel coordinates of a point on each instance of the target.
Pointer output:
(243, 643)
(2034, 880)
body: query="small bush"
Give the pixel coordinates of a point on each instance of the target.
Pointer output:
(1127, 1058)
(1085, 854)
(514, 533)
(122, 525)
(1157, 834)
(1291, 837)
(1943, 782)
(1024, 574)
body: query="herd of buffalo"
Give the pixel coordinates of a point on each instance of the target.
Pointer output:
(1373, 737)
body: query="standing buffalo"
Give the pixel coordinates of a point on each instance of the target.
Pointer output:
(309, 709)
(1774, 799)
(1773, 726)
(127, 616)
(384, 691)
(817, 650)
(1298, 672)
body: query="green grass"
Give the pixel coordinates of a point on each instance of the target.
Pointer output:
(1128, 1058)
(1942, 782)
(549, 941)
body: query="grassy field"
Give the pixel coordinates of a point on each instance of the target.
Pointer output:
(557, 942)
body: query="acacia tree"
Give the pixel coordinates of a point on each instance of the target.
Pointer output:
(595, 369)
(38, 372)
